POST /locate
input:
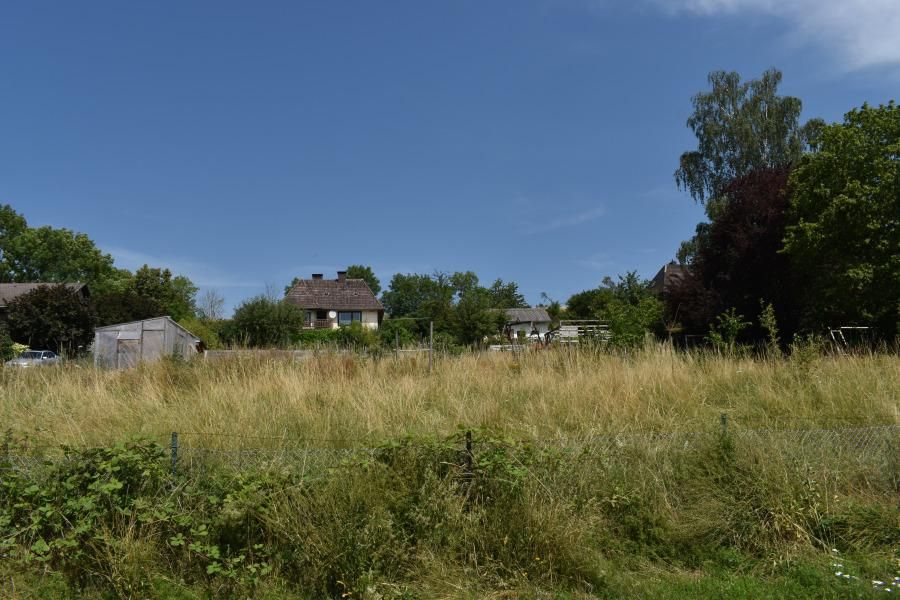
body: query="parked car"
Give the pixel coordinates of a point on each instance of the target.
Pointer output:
(34, 358)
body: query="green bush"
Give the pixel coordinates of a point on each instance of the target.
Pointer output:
(263, 322)
(315, 337)
(6, 343)
(207, 331)
(401, 519)
(394, 331)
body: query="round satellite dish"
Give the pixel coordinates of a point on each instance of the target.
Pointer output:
(331, 314)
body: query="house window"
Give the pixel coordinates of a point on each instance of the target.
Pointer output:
(347, 317)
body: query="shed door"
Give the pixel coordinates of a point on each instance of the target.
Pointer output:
(128, 353)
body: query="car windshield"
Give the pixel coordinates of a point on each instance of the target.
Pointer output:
(30, 354)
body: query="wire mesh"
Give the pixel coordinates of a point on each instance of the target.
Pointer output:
(846, 448)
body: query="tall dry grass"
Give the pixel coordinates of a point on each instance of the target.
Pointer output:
(541, 394)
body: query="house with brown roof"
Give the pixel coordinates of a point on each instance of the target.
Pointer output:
(11, 291)
(332, 303)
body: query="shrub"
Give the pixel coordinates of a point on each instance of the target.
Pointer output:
(52, 317)
(6, 343)
(723, 334)
(207, 331)
(263, 322)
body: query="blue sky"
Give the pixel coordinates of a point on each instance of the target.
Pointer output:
(243, 144)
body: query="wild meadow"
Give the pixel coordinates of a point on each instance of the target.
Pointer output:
(549, 474)
(535, 395)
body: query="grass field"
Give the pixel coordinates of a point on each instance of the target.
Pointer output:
(544, 394)
(669, 505)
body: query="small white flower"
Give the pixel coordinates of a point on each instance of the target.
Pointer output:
(838, 573)
(835, 550)
(876, 582)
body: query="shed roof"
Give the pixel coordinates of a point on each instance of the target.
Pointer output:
(11, 291)
(333, 294)
(527, 315)
(171, 321)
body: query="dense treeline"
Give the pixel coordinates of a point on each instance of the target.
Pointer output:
(804, 221)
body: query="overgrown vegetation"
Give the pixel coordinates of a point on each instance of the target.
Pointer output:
(542, 504)
(536, 504)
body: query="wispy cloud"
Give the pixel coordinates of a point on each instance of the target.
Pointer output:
(859, 33)
(202, 274)
(564, 221)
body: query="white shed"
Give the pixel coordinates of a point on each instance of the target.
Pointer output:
(525, 322)
(124, 345)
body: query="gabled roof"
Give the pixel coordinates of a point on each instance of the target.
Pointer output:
(11, 291)
(333, 294)
(527, 315)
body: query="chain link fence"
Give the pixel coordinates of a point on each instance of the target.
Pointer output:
(845, 449)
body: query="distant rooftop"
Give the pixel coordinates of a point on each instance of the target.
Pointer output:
(11, 291)
(667, 277)
(527, 315)
(342, 293)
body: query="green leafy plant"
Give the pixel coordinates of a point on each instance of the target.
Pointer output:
(724, 332)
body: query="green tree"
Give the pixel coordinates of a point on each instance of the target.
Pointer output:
(206, 330)
(124, 306)
(51, 255)
(506, 295)
(12, 225)
(845, 207)
(366, 273)
(473, 317)
(263, 322)
(741, 127)
(456, 303)
(587, 304)
(414, 295)
(51, 317)
(176, 295)
(397, 331)
(631, 310)
(626, 304)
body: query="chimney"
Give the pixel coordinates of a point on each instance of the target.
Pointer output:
(342, 275)
(317, 276)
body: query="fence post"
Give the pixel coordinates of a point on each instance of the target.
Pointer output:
(174, 453)
(430, 346)
(468, 453)
(723, 421)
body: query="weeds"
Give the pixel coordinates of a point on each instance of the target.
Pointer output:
(576, 481)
